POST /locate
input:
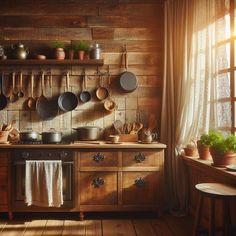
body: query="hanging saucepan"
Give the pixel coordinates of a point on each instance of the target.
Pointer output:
(3, 98)
(85, 95)
(101, 92)
(128, 81)
(67, 101)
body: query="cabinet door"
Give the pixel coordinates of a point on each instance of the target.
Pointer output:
(101, 159)
(3, 159)
(142, 159)
(141, 188)
(3, 186)
(98, 188)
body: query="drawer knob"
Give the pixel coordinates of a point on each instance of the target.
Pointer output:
(98, 182)
(139, 157)
(139, 182)
(98, 157)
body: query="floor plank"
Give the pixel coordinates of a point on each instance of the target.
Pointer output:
(2, 225)
(93, 228)
(35, 228)
(180, 225)
(74, 228)
(143, 228)
(118, 227)
(15, 228)
(53, 228)
(161, 227)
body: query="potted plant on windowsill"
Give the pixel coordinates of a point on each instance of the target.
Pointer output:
(204, 143)
(81, 48)
(223, 151)
(191, 149)
(59, 50)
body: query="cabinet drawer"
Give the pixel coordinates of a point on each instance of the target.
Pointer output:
(3, 185)
(4, 159)
(141, 187)
(103, 159)
(98, 188)
(142, 159)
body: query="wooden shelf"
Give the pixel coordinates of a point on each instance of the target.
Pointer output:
(99, 62)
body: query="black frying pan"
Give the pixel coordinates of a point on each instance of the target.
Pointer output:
(85, 96)
(67, 101)
(128, 81)
(3, 98)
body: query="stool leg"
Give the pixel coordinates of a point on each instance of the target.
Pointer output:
(227, 219)
(212, 218)
(197, 216)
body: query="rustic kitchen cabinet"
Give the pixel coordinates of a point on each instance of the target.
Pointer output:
(126, 177)
(120, 180)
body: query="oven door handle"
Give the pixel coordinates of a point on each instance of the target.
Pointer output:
(23, 163)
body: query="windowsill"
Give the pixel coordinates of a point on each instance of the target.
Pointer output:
(207, 167)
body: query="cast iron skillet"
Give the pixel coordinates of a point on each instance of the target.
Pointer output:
(67, 101)
(128, 81)
(3, 98)
(85, 95)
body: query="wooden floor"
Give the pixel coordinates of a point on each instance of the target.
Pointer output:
(32, 226)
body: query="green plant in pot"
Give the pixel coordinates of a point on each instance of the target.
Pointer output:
(82, 48)
(224, 151)
(59, 50)
(204, 143)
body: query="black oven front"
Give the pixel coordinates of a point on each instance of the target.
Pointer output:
(19, 158)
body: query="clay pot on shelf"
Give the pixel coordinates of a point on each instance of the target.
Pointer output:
(203, 151)
(191, 151)
(222, 159)
(81, 55)
(60, 54)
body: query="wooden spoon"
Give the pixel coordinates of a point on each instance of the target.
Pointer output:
(20, 93)
(31, 101)
(14, 96)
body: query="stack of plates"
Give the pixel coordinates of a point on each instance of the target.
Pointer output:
(231, 167)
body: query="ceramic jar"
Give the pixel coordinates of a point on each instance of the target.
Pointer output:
(60, 54)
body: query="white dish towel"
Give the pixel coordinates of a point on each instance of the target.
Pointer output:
(43, 183)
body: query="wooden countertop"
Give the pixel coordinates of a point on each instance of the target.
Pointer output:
(88, 145)
(206, 165)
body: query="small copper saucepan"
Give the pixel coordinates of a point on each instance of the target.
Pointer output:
(102, 92)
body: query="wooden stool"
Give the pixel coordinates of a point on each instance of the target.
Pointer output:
(215, 191)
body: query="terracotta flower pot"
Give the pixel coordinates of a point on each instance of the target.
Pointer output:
(203, 151)
(60, 54)
(222, 160)
(81, 55)
(191, 152)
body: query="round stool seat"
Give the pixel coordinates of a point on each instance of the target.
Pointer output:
(217, 190)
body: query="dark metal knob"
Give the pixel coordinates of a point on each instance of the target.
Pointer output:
(98, 157)
(98, 182)
(139, 182)
(25, 155)
(139, 157)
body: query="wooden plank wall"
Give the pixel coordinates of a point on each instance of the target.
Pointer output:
(136, 23)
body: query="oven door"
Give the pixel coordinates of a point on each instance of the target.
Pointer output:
(19, 180)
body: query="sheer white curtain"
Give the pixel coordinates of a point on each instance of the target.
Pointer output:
(195, 91)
